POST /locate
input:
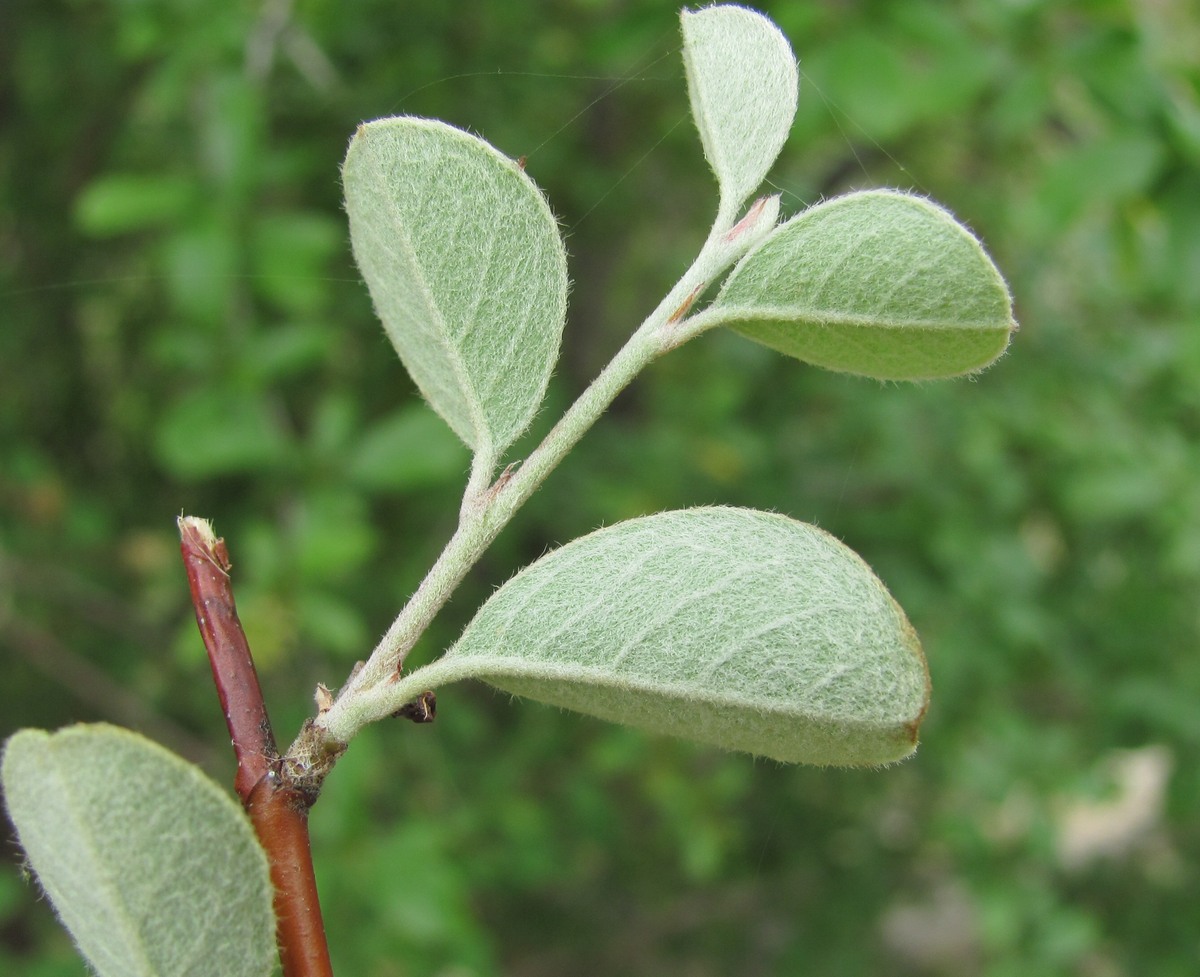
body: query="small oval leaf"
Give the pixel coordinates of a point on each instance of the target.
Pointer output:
(878, 283)
(738, 628)
(743, 84)
(466, 268)
(150, 865)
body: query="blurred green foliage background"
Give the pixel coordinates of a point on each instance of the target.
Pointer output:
(182, 329)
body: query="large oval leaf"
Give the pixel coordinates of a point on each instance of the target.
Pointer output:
(743, 82)
(151, 866)
(739, 628)
(466, 267)
(877, 283)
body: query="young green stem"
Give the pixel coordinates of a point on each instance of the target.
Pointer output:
(371, 693)
(278, 809)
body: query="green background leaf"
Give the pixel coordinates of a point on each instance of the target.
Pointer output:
(217, 432)
(743, 84)
(151, 866)
(466, 268)
(877, 283)
(120, 203)
(744, 629)
(406, 449)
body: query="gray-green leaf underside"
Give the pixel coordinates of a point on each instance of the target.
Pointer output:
(153, 868)
(743, 84)
(738, 628)
(877, 283)
(466, 268)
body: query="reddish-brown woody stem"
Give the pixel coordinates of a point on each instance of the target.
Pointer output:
(277, 808)
(208, 566)
(280, 816)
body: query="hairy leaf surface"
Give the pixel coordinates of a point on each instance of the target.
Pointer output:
(743, 83)
(877, 283)
(466, 268)
(739, 628)
(150, 865)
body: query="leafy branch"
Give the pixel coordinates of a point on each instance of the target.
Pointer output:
(879, 283)
(744, 629)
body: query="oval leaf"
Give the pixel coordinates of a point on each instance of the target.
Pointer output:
(743, 83)
(466, 268)
(739, 628)
(150, 865)
(878, 283)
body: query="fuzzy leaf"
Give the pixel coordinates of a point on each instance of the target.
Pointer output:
(465, 265)
(743, 84)
(151, 866)
(878, 283)
(738, 628)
